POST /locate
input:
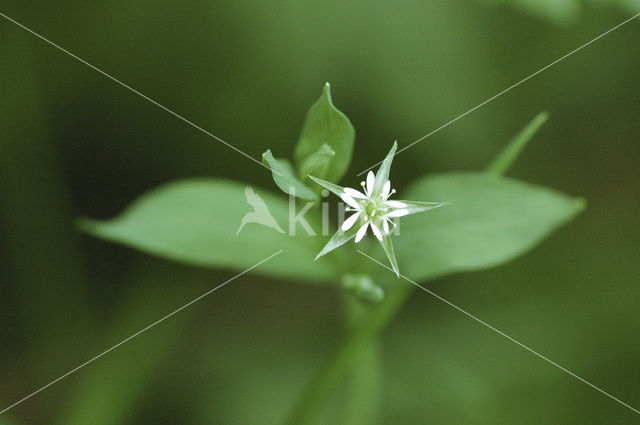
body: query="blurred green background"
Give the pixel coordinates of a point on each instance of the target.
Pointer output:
(75, 143)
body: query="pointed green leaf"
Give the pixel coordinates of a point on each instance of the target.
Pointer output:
(416, 207)
(338, 239)
(490, 221)
(285, 179)
(326, 125)
(383, 172)
(220, 224)
(334, 188)
(387, 246)
(317, 163)
(514, 148)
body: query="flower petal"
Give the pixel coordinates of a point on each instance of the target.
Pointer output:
(395, 204)
(350, 201)
(397, 213)
(371, 178)
(361, 232)
(348, 223)
(385, 225)
(386, 189)
(354, 193)
(376, 231)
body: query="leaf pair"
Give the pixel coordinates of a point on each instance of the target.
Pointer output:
(492, 220)
(324, 149)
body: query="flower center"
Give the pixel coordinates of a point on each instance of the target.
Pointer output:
(371, 209)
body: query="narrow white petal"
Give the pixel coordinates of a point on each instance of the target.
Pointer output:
(397, 213)
(348, 223)
(395, 204)
(376, 231)
(385, 225)
(350, 201)
(361, 232)
(386, 189)
(371, 179)
(354, 193)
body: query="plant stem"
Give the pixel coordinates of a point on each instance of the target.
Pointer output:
(335, 367)
(361, 399)
(339, 363)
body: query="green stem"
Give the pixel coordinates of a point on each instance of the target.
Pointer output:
(335, 367)
(328, 378)
(360, 401)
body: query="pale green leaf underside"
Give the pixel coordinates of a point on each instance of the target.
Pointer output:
(490, 221)
(325, 124)
(195, 221)
(284, 177)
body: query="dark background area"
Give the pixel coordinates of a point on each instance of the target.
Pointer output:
(74, 143)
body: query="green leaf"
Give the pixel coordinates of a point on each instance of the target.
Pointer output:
(514, 148)
(338, 239)
(416, 207)
(490, 221)
(198, 222)
(383, 172)
(326, 125)
(387, 246)
(318, 162)
(284, 177)
(334, 188)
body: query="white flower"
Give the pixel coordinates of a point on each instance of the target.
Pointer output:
(374, 209)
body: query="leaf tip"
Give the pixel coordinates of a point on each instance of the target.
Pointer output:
(83, 224)
(320, 254)
(580, 204)
(395, 269)
(326, 91)
(543, 116)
